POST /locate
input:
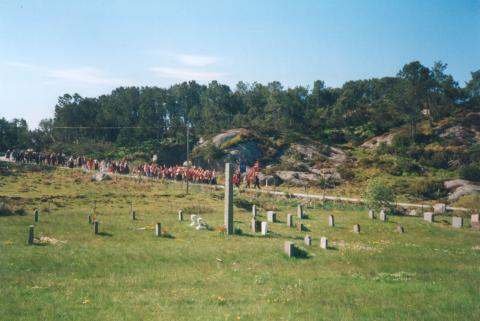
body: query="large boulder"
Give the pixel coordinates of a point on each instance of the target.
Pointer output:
(247, 151)
(460, 187)
(297, 178)
(376, 141)
(222, 138)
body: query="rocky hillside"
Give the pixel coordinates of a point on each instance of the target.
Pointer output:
(429, 168)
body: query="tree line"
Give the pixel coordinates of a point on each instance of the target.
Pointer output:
(352, 113)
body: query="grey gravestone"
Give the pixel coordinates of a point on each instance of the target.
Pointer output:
(356, 228)
(256, 226)
(264, 228)
(412, 213)
(228, 214)
(457, 222)
(475, 221)
(35, 215)
(31, 233)
(180, 215)
(271, 216)
(289, 220)
(300, 227)
(308, 240)
(429, 217)
(289, 249)
(400, 229)
(300, 211)
(371, 214)
(254, 210)
(331, 221)
(323, 243)
(95, 227)
(383, 216)
(158, 229)
(439, 208)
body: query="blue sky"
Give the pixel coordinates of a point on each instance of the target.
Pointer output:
(48, 48)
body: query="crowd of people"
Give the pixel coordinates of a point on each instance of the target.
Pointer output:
(195, 174)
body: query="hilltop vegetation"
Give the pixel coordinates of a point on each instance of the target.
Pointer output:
(419, 123)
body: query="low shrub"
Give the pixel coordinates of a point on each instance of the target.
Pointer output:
(471, 172)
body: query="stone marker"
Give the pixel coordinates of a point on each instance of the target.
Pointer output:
(429, 217)
(194, 220)
(134, 215)
(180, 215)
(323, 243)
(457, 221)
(289, 220)
(331, 221)
(31, 234)
(89, 219)
(475, 221)
(371, 214)
(412, 213)
(271, 216)
(256, 226)
(400, 229)
(264, 228)
(289, 249)
(228, 214)
(356, 228)
(254, 211)
(300, 211)
(383, 216)
(158, 229)
(95, 227)
(439, 208)
(308, 240)
(300, 227)
(35, 215)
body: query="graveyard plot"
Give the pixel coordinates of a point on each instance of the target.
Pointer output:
(126, 272)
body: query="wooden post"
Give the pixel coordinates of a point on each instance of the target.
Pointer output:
(89, 219)
(158, 229)
(95, 227)
(35, 215)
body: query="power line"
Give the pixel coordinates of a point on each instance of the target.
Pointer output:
(104, 127)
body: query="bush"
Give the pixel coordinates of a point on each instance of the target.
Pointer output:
(346, 172)
(401, 143)
(471, 172)
(405, 165)
(430, 189)
(378, 195)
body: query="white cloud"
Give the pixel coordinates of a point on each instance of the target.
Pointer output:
(86, 75)
(186, 74)
(197, 61)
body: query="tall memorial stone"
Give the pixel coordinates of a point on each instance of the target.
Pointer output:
(228, 216)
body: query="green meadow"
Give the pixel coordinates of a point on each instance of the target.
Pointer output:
(431, 272)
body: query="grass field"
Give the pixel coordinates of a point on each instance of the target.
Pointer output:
(431, 272)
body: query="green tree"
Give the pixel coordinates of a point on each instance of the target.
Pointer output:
(378, 195)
